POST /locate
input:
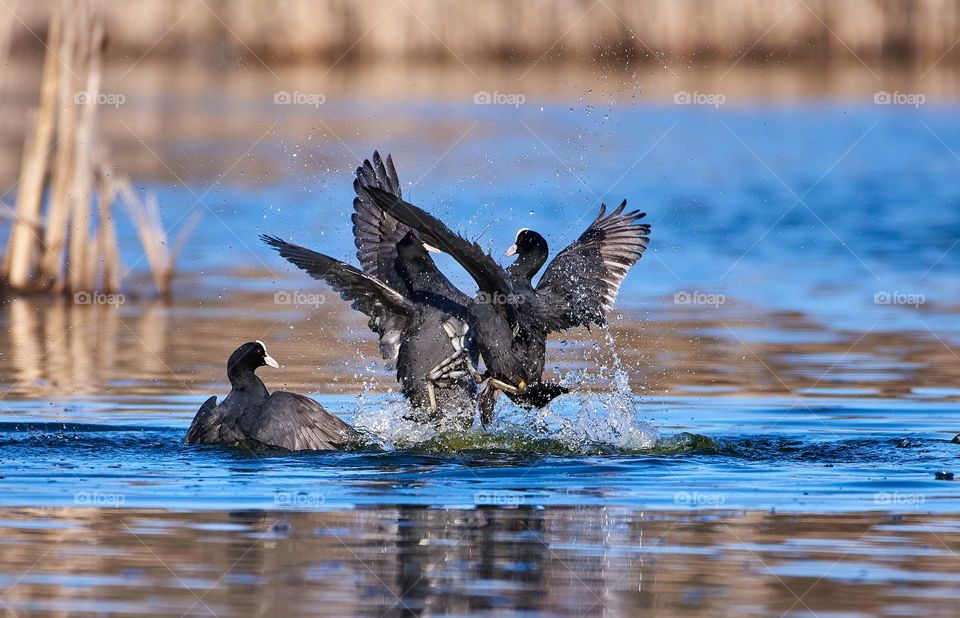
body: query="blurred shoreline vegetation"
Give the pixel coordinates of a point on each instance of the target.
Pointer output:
(210, 69)
(915, 32)
(166, 75)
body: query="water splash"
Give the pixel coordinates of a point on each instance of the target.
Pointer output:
(601, 418)
(610, 416)
(386, 421)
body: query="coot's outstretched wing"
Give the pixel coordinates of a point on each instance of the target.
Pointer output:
(579, 286)
(489, 275)
(375, 233)
(298, 423)
(206, 424)
(387, 308)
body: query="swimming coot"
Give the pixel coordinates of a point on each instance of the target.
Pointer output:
(418, 314)
(510, 318)
(251, 415)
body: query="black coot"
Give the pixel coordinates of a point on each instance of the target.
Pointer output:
(418, 314)
(510, 318)
(251, 415)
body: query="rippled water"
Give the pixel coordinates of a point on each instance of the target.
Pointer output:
(405, 560)
(826, 459)
(760, 432)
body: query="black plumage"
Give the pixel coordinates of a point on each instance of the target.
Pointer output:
(510, 318)
(252, 416)
(418, 314)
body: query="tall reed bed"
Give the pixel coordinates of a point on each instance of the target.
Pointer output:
(526, 30)
(62, 236)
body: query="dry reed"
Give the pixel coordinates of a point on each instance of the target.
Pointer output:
(153, 236)
(7, 19)
(22, 247)
(71, 246)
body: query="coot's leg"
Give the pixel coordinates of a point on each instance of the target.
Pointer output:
(432, 394)
(486, 402)
(503, 386)
(488, 397)
(450, 368)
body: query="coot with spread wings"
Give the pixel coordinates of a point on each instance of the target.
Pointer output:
(509, 318)
(418, 314)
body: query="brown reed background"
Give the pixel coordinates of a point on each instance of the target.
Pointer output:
(918, 32)
(174, 49)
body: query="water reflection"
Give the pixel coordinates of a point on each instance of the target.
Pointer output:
(165, 101)
(58, 348)
(410, 561)
(63, 349)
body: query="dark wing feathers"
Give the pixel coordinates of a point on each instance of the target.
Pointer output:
(205, 427)
(375, 233)
(580, 285)
(298, 423)
(391, 173)
(387, 308)
(489, 275)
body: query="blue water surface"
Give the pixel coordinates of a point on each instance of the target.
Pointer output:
(842, 213)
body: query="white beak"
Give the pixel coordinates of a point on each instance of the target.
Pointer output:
(512, 250)
(431, 248)
(267, 358)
